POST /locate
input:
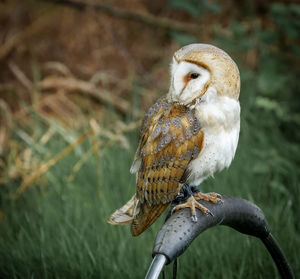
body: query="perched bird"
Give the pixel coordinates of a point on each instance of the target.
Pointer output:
(186, 136)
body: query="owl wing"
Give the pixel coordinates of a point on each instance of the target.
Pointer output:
(171, 136)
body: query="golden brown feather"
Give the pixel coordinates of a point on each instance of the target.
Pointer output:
(170, 138)
(146, 217)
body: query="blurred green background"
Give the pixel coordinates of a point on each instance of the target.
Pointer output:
(74, 85)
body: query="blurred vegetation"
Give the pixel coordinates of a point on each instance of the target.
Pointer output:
(74, 85)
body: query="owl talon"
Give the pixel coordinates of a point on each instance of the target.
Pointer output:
(192, 204)
(194, 218)
(173, 210)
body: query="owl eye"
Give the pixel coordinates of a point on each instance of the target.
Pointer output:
(194, 75)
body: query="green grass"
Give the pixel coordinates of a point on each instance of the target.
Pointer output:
(58, 229)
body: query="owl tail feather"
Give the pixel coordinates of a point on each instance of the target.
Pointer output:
(146, 217)
(126, 213)
(140, 215)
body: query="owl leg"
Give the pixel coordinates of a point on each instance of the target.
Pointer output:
(192, 194)
(185, 192)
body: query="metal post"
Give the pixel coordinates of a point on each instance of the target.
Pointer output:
(156, 266)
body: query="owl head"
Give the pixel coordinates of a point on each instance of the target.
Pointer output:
(199, 69)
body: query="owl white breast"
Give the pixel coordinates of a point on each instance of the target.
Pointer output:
(220, 120)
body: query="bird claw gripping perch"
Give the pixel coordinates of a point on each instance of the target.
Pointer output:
(192, 201)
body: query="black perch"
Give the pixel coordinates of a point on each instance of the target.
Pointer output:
(179, 231)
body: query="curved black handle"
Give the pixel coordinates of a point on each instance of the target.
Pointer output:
(179, 231)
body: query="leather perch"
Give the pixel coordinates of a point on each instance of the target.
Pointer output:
(178, 232)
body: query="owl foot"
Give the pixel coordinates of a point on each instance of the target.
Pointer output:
(210, 197)
(192, 204)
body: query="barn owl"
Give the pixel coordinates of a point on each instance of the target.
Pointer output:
(186, 136)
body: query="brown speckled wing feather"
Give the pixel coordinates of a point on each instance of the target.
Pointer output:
(171, 137)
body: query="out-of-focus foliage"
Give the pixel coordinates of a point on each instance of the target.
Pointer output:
(287, 18)
(71, 97)
(196, 8)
